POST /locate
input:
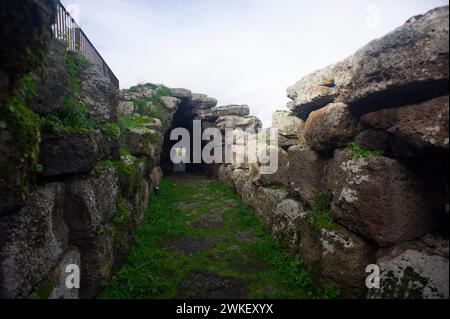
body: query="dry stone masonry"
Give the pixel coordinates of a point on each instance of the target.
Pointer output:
(362, 176)
(367, 153)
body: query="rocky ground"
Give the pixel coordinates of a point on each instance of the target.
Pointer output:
(200, 241)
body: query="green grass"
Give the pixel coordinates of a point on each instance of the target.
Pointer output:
(112, 130)
(134, 121)
(358, 151)
(150, 271)
(320, 211)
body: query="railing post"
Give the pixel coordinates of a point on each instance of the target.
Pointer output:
(78, 47)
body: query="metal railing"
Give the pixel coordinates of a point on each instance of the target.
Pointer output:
(65, 28)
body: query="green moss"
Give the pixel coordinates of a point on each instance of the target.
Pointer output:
(320, 211)
(153, 106)
(44, 290)
(151, 138)
(358, 151)
(112, 130)
(141, 105)
(120, 223)
(125, 152)
(101, 167)
(331, 291)
(24, 127)
(123, 212)
(162, 113)
(134, 121)
(130, 174)
(127, 165)
(100, 231)
(72, 116)
(39, 168)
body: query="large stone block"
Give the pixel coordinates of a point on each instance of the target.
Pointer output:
(97, 262)
(52, 86)
(338, 255)
(380, 199)
(26, 33)
(171, 103)
(265, 202)
(155, 125)
(373, 140)
(182, 94)
(131, 173)
(202, 101)
(88, 205)
(125, 108)
(54, 285)
(242, 181)
(233, 122)
(60, 291)
(238, 177)
(140, 202)
(284, 225)
(213, 114)
(20, 134)
(288, 124)
(306, 173)
(345, 257)
(98, 93)
(144, 142)
(286, 143)
(70, 153)
(414, 130)
(32, 241)
(280, 176)
(407, 64)
(225, 175)
(330, 127)
(414, 270)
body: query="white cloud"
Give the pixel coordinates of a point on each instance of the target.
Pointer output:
(245, 51)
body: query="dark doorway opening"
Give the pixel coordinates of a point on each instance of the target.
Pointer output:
(183, 118)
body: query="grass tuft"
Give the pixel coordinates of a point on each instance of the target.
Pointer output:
(320, 216)
(358, 151)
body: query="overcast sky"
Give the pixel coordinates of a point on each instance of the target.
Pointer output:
(238, 51)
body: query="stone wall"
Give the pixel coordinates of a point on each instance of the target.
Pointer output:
(363, 166)
(77, 198)
(362, 178)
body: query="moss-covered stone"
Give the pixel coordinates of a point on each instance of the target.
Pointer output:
(131, 174)
(44, 289)
(122, 226)
(73, 115)
(25, 33)
(19, 144)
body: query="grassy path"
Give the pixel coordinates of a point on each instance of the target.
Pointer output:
(200, 241)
